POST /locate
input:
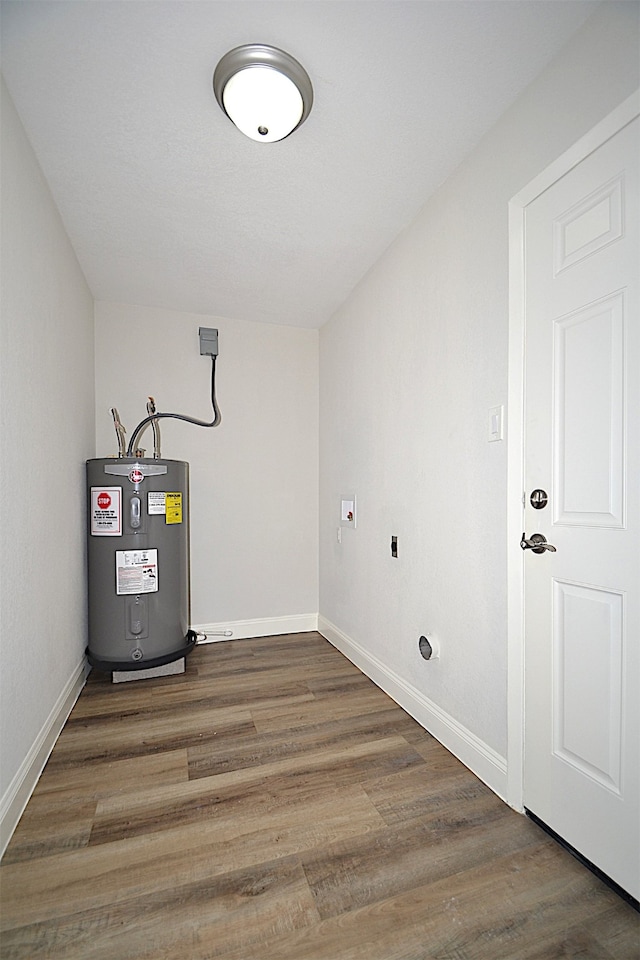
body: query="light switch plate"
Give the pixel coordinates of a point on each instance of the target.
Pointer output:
(496, 423)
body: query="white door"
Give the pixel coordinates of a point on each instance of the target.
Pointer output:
(582, 448)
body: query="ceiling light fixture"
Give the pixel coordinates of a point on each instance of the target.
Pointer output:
(263, 90)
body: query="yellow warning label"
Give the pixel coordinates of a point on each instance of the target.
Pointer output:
(173, 511)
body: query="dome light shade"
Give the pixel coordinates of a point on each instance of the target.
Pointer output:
(263, 103)
(263, 90)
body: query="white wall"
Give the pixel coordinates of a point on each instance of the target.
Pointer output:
(254, 479)
(410, 366)
(47, 421)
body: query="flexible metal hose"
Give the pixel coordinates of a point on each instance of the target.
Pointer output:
(217, 416)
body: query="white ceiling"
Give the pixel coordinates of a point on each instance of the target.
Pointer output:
(167, 204)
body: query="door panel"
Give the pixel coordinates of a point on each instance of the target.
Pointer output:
(587, 669)
(589, 401)
(588, 226)
(582, 445)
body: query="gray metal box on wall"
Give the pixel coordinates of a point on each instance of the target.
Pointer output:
(138, 562)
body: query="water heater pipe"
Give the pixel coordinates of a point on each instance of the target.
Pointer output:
(120, 431)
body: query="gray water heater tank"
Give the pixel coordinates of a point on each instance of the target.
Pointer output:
(138, 562)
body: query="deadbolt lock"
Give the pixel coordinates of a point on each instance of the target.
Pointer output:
(538, 499)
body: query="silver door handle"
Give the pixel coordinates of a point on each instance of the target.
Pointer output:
(537, 543)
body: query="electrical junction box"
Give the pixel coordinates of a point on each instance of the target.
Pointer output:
(208, 341)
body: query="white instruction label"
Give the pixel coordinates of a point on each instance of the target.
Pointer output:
(106, 511)
(136, 571)
(156, 502)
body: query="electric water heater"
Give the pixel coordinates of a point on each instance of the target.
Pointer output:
(138, 562)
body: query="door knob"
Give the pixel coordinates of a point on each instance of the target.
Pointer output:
(537, 543)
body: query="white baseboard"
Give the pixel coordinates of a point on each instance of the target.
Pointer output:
(269, 627)
(24, 783)
(481, 759)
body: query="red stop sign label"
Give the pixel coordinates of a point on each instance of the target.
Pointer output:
(104, 500)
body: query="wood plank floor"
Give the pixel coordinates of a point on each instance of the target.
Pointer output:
(273, 804)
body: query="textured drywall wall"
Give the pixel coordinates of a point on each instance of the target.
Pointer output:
(46, 416)
(254, 479)
(410, 366)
